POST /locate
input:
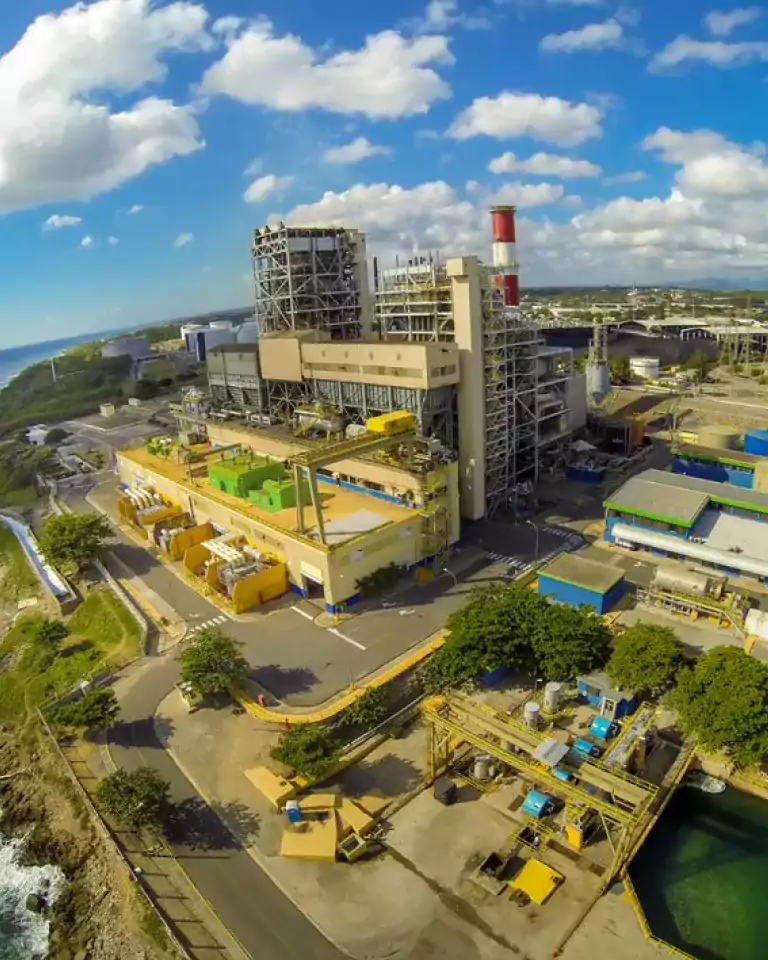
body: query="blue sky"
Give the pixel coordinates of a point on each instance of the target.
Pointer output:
(404, 119)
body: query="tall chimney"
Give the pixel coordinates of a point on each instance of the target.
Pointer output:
(504, 253)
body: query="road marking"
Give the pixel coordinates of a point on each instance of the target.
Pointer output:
(303, 613)
(341, 636)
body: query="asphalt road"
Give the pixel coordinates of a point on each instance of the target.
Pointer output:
(265, 922)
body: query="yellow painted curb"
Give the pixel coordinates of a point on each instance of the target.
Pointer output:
(333, 709)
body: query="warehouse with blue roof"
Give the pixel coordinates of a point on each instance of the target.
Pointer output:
(719, 525)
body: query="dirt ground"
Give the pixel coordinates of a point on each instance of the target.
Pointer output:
(100, 913)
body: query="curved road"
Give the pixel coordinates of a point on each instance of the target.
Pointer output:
(261, 917)
(265, 922)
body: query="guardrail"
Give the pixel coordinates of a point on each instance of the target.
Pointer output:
(106, 834)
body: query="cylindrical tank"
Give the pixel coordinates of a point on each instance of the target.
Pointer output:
(221, 324)
(647, 368)
(756, 443)
(218, 336)
(532, 714)
(248, 332)
(553, 693)
(756, 623)
(683, 581)
(482, 767)
(598, 380)
(134, 347)
(722, 438)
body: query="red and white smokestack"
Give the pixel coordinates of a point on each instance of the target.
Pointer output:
(505, 254)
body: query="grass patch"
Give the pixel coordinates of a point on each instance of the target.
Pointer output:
(104, 622)
(102, 632)
(17, 578)
(19, 498)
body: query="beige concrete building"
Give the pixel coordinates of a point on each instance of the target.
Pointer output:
(374, 513)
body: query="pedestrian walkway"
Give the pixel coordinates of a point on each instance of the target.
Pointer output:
(188, 915)
(206, 625)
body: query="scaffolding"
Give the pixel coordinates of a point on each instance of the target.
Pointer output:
(413, 302)
(511, 377)
(308, 278)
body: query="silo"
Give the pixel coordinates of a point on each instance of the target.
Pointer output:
(532, 714)
(553, 692)
(248, 332)
(756, 443)
(722, 438)
(598, 381)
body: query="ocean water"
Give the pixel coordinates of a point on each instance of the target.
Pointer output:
(16, 359)
(24, 934)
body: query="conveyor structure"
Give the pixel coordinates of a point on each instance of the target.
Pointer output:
(308, 462)
(619, 799)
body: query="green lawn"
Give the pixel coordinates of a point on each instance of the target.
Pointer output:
(102, 633)
(17, 578)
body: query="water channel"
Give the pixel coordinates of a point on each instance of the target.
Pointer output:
(702, 876)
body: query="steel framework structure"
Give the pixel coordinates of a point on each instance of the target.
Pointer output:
(414, 302)
(307, 279)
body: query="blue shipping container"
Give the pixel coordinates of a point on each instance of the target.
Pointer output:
(756, 442)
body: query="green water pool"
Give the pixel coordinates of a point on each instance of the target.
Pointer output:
(702, 876)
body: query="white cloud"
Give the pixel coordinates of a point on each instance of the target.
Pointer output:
(255, 168)
(592, 37)
(716, 53)
(390, 76)
(183, 240)
(86, 242)
(545, 165)
(528, 194)
(136, 208)
(509, 115)
(113, 241)
(359, 149)
(58, 138)
(631, 176)
(721, 23)
(263, 187)
(440, 15)
(58, 222)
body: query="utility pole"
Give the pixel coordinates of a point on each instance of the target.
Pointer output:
(53, 369)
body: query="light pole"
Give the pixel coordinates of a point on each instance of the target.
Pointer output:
(451, 574)
(530, 523)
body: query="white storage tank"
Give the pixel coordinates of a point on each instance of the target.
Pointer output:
(553, 696)
(687, 582)
(133, 347)
(756, 623)
(248, 332)
(221, 324)
(598, 381)
(532, 714)
(646, 368)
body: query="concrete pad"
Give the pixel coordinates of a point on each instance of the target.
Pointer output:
(316, 841)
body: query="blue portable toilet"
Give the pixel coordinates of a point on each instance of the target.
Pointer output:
(602, 728)
(585, 748)
(537, 805)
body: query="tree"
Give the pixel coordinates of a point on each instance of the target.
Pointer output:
(50, 633)
(700, 365)
(212, 663)
(96, 710)
(310, 749)
(368, 711)
(723, 700)
(72, 541)
(621, 372)
(56, 435)
(136, 799)
(567, 642)
(647, 658)
(489, 633)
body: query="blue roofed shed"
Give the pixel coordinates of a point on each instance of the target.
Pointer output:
(579, 582)
(600, 691)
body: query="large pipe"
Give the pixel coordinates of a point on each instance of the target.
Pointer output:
(505, 254)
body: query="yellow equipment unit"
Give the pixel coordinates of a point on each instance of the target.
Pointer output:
(390, 424)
